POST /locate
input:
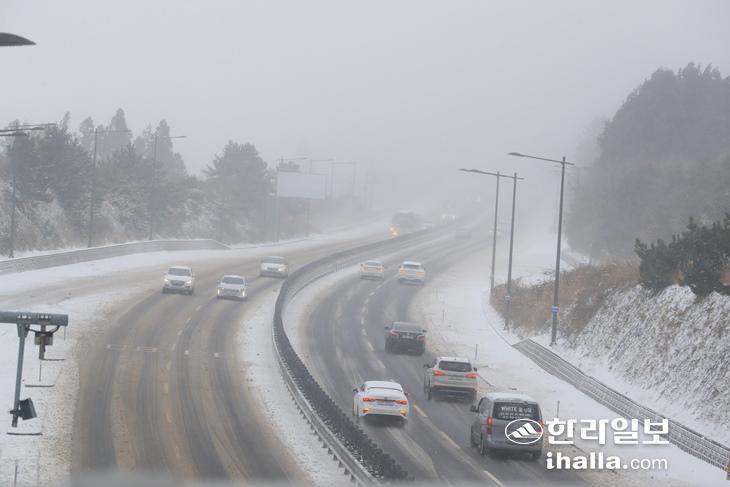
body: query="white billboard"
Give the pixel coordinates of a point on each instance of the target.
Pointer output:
(301, 185)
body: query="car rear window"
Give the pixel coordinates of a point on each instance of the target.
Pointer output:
(274, 260)
(455, 366)
(233, 280)
(176, 271)
(372, 263)
(411, 266)
(516, 410)
(410, 327)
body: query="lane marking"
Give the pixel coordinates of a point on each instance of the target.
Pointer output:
(364, 333)
(370, 346)
(187, 352)
(451, 442)
(420, 411)
(198, 308)
(493, 478)
(147, 349)
(364, 309)
(115, 347)
(362, 321)
(169, 420)
(216, 355)
(179, 332)
(174, 346)
(168, 365)
(381, 363)
(166, 387)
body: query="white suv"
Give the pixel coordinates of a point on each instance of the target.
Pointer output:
(179, 279)
(450, 376)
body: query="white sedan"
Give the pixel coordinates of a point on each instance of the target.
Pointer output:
(380, 398)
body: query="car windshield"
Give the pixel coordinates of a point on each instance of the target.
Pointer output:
(516, 410)
(410, 327)
(455, 366)
(177, 271)
(411, 266)
(232, 280)
(274, 260)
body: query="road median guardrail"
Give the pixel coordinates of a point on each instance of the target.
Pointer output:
(685, 438)
(364, 461)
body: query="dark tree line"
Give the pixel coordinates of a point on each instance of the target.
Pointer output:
(137, 195)
(664, 156)
(697, 257)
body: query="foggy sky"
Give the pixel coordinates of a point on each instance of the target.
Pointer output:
(417, 84)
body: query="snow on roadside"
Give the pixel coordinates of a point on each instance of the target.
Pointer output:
(260, 365)
(454, 306)
(72, 290)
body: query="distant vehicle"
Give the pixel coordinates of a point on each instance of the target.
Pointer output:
(406, 337)
(372, 269)
(231, 287)
(450, 376)
(179, 279)
(405, 222)
(499, 414)
(412, 271)
(448, 217)
(380, 398)
(274, 266)
(462, 234)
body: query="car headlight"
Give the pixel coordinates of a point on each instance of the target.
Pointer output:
(167, 281)
(189, 281)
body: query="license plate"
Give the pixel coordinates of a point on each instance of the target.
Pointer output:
(384, 403)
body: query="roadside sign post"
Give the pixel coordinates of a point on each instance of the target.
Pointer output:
(24, 408)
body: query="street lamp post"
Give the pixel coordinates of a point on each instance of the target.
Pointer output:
(556, 290)
(508, 296)
(92, 196)
(155, 176)
(18, 131)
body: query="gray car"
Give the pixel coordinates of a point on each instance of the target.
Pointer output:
(507, 422)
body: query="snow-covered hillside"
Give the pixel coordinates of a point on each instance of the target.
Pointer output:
(670, 351)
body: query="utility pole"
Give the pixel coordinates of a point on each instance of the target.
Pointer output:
(494, 238)
(155, 179)
(92, 196)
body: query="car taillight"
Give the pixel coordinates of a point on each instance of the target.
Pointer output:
(401, 401)
(393, 333)
(421, 337)
(542, 423)
(368, 399)
(472, 375)
(438, 372)
(489, 425)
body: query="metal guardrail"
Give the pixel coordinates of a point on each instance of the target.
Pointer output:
(85, 255)
(685, 438)
(364, 461)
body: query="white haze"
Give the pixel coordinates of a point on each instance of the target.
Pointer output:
(414, 86)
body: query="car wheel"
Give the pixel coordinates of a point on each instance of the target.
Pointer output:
(483, 448)
(472, 443)
(429, 393)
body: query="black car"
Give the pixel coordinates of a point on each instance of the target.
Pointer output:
(407, 337)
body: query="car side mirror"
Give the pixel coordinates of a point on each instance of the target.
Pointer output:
(473, 409)
(423, 330)
(405, 394)
(386, 328)
(355, 390)
(475, 369)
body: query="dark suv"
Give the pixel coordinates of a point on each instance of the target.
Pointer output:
(407, 337)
